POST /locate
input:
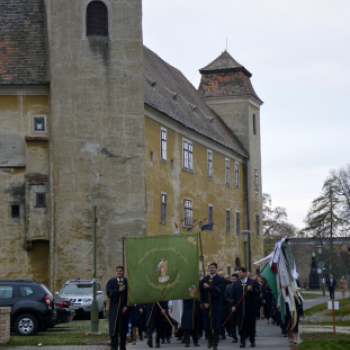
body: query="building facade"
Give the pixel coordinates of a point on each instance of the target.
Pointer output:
(89, 116)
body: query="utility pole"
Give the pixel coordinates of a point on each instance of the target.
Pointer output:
(94, 306)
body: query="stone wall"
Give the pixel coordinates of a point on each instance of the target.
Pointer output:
(4, 324)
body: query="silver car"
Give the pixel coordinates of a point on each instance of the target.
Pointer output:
(81, 294)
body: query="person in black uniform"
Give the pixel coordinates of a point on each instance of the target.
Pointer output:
(190, 321)
(119, 313)
(137, 321)
(232, 320)
(212, 291)
(154, 321)
(245, 311)
(331, 284)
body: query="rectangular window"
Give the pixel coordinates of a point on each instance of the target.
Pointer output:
(228, 269)
(227, 171)
(40, 200)
(210, 164)
(188, 213)
(15, 211)
(237, 175)
(238, 223)
(163, 144)
(257, 221)
(187, 155)
(228, 221)
(210, 214)
(163, 208)
(256, 180)
(39, 124)
(6, 292)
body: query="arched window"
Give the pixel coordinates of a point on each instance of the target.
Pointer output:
(96, 19)
(254, 124)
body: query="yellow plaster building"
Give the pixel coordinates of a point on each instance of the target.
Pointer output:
(89, 116)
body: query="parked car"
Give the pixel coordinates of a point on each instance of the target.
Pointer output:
(80, 294)
(32, 306)
(64, 309)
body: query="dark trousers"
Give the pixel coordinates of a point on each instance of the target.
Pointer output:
(114, 342)
(331, 292)
(193, 333)
(213, 336)
(244, 334)
(233, 324)
(150, 331)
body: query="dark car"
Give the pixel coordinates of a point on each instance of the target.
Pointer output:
(64, 309)
(32, 306)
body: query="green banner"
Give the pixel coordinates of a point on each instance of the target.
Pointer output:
(161, 268)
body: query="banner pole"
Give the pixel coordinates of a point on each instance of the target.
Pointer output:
(123, 238)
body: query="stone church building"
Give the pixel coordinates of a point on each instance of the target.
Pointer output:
(89, 116)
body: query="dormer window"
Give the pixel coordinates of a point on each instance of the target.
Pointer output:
(96, 19)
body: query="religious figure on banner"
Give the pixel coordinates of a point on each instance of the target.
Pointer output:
(163, 268)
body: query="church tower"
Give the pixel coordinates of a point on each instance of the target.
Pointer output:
(226, 87)
(96, 126)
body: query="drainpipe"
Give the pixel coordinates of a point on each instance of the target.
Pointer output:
(247, 174)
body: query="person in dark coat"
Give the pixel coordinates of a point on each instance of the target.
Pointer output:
(154, 321)
(212, 291)
(267, 297)
(190, 321)
(331, 284)
(226, 308)
(246, 309)
(119, 313)
(137, 321)
(232, 320)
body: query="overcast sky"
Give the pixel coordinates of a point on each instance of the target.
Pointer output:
(299, 54)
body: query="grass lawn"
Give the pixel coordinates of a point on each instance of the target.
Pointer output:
(324, 341)
(340, 323)
(343, 303)
(73, 333)
(311, 295)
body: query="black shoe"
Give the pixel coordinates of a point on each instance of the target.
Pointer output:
(209, 345)
(163, 341)
(168, 340)
(150, 343)
(252, 345)
(215, 348)
(223, 337)
(242, 346)
(157, 345)
(196, 344)
(187, 345)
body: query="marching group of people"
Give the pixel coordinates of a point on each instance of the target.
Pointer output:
(228, 305)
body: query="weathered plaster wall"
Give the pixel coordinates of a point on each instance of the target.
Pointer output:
(97, 137)
(179, 184)
(237, 112)
(17, 113)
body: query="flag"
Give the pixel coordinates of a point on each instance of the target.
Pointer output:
(208, 227)
(271, 279)
(162, 268)
(176, 307)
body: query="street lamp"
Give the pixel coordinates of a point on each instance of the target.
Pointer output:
(320, 252)
(245, 236)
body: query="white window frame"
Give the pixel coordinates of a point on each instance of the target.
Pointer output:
(186, 210)
(237, 174)
(227, 172)
(237, 223)
(228, 231)
(256, 180)
(210, 164)
(187, 155)
(162, 194)
(163, 144)
(210, 219)
(45, 123)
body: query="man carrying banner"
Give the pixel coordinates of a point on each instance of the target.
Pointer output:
(245, 311)
(155, 318)
(212, 290)
(118, 316)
